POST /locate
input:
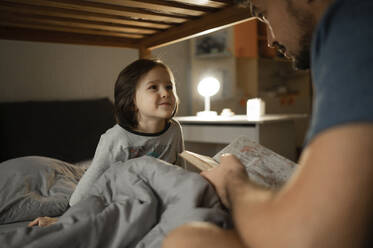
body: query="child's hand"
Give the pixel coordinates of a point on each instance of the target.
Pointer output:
(43, 221)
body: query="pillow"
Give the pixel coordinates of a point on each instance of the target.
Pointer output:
(35, 186)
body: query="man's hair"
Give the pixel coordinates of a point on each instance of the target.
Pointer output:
(125, 90)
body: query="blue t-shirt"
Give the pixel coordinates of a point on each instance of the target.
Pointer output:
(342, 66)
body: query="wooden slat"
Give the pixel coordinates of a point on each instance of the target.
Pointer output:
(132, 12)
(161, 8)
(185, 6)
(14, 33)
(145, 25)
(70, 23)
(230, 2)
(113, 4)
(215, 4)
(213, 22)
(22, 8)
(99, 8)
(30, 24)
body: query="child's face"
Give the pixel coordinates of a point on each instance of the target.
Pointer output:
(155, 96)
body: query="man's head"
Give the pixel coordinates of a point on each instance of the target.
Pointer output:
(290, 25)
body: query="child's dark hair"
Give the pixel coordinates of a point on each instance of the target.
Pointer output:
(125, 90)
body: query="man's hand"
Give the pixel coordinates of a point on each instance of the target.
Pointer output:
(229, 170)
(43, 221)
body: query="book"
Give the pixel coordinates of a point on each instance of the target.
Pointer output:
(263, 166)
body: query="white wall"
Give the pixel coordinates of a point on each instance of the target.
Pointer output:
(176, 56)
(221, 66)
(50, 71)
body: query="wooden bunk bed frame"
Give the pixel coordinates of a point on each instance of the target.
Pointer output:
(142, 25)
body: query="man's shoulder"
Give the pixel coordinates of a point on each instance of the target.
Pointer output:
(350, 11)
(341, 66)
(344, 31)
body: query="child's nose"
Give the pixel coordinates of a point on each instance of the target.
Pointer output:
(165, 92)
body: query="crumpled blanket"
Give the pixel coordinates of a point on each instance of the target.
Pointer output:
(133, 204)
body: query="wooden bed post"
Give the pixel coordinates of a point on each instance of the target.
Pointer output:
(145, 53)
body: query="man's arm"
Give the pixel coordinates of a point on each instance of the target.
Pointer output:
(327, 203)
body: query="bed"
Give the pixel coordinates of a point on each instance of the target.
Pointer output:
(47, 146)
(142, 25)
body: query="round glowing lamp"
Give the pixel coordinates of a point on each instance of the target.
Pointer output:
(208, 87)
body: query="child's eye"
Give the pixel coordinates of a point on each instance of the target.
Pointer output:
(152, 87)
(169, 87)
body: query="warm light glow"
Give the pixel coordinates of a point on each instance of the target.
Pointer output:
(209, 86)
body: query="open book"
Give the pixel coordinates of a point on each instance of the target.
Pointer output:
(264, 166)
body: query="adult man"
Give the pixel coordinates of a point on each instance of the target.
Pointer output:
(329, 200)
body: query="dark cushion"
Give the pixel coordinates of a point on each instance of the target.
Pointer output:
(66, 130)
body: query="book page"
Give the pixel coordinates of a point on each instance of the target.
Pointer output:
(201, 162)
(263, 165)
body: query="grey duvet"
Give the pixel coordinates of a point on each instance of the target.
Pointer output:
(133, 204)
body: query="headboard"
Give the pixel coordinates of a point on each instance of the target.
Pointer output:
(143, 25)
(66, 130)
